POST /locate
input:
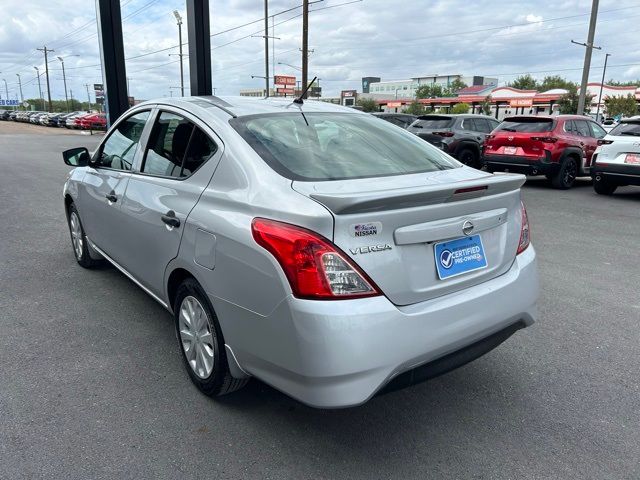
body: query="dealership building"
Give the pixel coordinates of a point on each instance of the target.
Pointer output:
(408, 88)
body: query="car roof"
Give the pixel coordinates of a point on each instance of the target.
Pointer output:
(241, 106)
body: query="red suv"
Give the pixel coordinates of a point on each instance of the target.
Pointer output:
(559, 147)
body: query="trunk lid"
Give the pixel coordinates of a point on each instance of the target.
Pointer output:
(390, 226)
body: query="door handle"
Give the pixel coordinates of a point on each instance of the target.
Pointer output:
(111, 197)
(170, 219)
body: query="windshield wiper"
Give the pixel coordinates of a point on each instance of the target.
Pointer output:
(507, 130)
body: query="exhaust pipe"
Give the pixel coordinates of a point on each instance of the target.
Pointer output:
(598, 178)
(534, 172)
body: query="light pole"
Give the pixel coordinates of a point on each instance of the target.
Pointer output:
(88, 96)
(20, 85)
(39, 88)
(64, 79)
(604, 72)
(179, 20)
(6, 89)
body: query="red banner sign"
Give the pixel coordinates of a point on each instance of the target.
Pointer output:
(521, 102)
(285, 80)
(286, 91)
(394, 104)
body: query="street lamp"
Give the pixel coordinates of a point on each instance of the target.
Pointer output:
(39, 88)
(6, 89)
(604, 72)
(64, 79)
(289, 65)
(179, 22)
(20, 85)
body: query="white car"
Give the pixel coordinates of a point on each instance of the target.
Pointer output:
(616, 161)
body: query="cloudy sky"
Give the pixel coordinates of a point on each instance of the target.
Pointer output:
(393, 39)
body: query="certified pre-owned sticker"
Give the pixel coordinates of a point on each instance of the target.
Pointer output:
(365, 229)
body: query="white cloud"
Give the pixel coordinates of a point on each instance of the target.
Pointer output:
(388, 38)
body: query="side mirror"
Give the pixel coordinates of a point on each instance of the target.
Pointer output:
(76, 157)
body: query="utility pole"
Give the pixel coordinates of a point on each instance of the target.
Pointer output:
(266, 48)
(88, 97)
(604, 72)
(46, 69)
(179, 20)
(305, 44)
(587, 56)
(20, 85)
(39, 89)
(64, 79)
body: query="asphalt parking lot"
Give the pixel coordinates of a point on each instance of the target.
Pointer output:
(92, 384)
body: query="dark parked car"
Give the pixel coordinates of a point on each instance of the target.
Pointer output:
(400, 119)
(559, 147)
(461, 136)
(4, 114)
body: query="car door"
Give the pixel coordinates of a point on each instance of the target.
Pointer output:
(102, 189)
(178, 162)
(587, 141)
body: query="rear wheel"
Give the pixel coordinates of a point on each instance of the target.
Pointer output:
(566, 175)
(469, 157)
(602, 187)
(201, 341)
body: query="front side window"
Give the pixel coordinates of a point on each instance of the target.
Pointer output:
(582, 128)
(118, 151)
(598, 131)
(337, 146)
(176, 147)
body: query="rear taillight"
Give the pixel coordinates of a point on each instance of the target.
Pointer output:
(545, 139)
(525, 238)
(443, 134)
(489, 136)
(602, 141)
(315, 267)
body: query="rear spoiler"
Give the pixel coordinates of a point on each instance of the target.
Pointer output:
(374, 201)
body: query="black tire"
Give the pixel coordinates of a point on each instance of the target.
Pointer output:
(469, 157)
(565, 177)
(603, 187)
(81, 253)
(220, 381)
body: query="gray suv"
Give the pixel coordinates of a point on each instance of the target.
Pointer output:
(461, 136)
(317, 248)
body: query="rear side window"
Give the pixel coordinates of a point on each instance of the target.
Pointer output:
(582, 128)
(626, 128)
(530, 125)
(176, 147)
(436, 122)
(337, 146)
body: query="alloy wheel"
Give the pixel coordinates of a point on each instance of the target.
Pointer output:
(76, 235)
(195, 337)
(570, 172)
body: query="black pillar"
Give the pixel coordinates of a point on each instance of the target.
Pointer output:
(112, 55)
(199, 47)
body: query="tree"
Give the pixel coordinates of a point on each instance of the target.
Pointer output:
(456, 86)
(525, 82)
(432, 90)
(368, 105)
(460, 108)
(568, 103)
(630, 83)
(415, 108)
(555, 81)
(485, 106)
(623, 106)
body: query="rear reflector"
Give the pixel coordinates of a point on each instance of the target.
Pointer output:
(315, 267)
(470, 189)
(545, 139)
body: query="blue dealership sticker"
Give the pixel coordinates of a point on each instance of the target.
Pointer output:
(459, 256)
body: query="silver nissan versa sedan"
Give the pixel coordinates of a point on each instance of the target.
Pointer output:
(327, 253)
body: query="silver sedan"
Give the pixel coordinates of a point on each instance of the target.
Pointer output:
(327, 253)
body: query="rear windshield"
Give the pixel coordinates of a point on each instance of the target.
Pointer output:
(432, 123)
(626, 128)
(337, 146)
(526, 125)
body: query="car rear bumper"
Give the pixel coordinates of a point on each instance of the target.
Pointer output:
(621, 174)
(520, 164)
(336, 354)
